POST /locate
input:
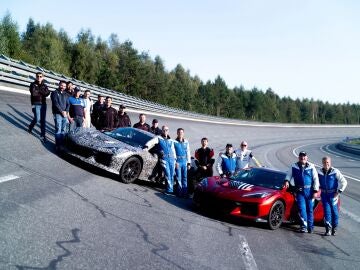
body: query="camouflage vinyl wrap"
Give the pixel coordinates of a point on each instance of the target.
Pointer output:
(94, 147)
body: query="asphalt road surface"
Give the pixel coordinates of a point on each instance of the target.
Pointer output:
(56, 213)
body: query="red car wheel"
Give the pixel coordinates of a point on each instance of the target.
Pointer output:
(276, 215)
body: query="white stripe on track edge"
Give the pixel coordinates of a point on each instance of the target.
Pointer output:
(246, 254)
(8, 178)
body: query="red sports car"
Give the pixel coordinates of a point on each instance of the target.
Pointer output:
(256, 194)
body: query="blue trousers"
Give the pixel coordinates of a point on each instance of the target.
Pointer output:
(181, 175)
(305, 205)
(39, 112)
(61, 124)
(331, 212)
(168, 166)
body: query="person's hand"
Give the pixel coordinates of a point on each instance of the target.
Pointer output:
(204, 168)
(64, 113)
(286, 184)
(188, 166)
(176, 165)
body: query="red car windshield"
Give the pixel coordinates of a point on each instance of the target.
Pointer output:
(261, 177)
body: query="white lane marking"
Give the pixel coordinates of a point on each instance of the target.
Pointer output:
(319, 166)
(350, 215)
(8, 178)
(246, 254)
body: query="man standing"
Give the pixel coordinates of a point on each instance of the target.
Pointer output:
(183, 159)
(332, 183)
(167, 158)
(60, 110)
(69, 88)
(77, 110)
(142, 123)
(303, 176)
(38, 93)
(97, 107)
(227, 162)
(204, 159)
(108, 118)
(155, 127)
(123, 117)
(244, 156)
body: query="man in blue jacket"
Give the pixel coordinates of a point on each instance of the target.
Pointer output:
(332, 183)
(226, 163)
(183, 159)
(303, 176)
(60, 110)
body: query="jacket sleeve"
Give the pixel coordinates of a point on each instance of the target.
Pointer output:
(316, 183)
(188, 155)
(219, 165)
(44, 90)
(289, 177)
(55, 101)
(342, 180)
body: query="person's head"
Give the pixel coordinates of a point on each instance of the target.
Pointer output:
(142, 117)
(180, 133)
(155, 123)
(303, 157)
(101, 99)
(326, 162)
(165, 130)
(77, 92)
(69, 86)
(122, 109)
(204, 142)
(229, 148)
(62, 85)
(108, 101)
(87, 94)
(243, 145)
(39, 77)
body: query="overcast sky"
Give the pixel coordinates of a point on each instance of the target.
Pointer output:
(301, 49)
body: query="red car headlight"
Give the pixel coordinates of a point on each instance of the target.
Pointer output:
(257, 195)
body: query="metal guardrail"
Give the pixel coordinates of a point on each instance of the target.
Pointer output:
(21, 74)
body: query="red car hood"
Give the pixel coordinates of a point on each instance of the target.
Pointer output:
(233, 190)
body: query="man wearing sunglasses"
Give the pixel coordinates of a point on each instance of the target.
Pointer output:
(244, 157)
(38, 93)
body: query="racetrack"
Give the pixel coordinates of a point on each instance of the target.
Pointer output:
(59, 215)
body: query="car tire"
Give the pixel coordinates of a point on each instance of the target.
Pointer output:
(130, 170)
(276, 215)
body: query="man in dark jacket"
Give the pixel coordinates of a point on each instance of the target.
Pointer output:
(97, 107)
(123, 117)
(142, 123)
(155, 127)
(60, 110)
(108, 116)
(38, 93)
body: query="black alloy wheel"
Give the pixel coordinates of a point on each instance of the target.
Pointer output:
(130, 170)
(276, 215)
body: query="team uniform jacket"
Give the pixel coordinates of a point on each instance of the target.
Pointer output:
(331, 181)
(303, 178)
(204, 157)
(226, 164)
(182, 149)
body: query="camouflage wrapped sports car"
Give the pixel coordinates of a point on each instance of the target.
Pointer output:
(120, 151)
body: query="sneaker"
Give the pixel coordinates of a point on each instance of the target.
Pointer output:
(333, 232)
(327, 233)
(302, 230)
(168, 193)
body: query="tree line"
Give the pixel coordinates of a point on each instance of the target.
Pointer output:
(119, 66)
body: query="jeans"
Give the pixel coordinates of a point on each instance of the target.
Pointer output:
(77, 122)
(60, 128)
(39, 112)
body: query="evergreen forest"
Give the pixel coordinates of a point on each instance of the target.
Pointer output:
(117, 65)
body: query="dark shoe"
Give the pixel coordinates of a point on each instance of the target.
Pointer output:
(43, 139)
(168, 193)
(29, 130)
(310, 230)
(333, 232)
(302, 230)
(327, 232)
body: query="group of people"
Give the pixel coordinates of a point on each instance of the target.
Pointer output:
(306, 181)
(72, 109)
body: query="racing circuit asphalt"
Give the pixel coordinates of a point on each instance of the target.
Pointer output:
(58, 214)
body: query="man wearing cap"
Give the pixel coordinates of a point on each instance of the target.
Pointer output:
(244, 157)
(77, 110)
(155, 127)
(304, 177)
(123, 117)
(226, 163)
(332, 183)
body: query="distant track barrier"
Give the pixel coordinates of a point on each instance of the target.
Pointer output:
(349, 147)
